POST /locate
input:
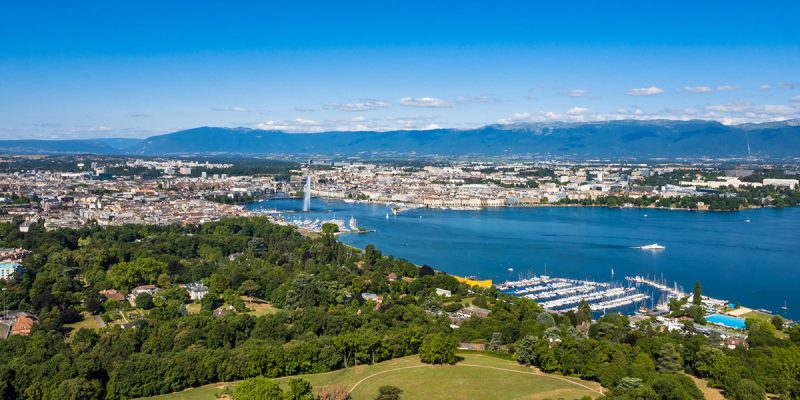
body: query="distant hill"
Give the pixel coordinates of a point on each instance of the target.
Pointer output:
(612, 139)
(635, 139)
(122, 143)
(92, 146)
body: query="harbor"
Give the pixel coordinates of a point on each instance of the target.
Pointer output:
(579, 243)
(562, 294)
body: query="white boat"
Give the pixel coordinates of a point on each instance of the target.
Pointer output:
(511, 270)
(654, 246)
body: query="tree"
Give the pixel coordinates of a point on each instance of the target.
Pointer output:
(329, 228)
(144, 301)
(525, 351)
(746, 389)
(545, 357)
(78, 389)
(546, 320)
(697, 295)
(333, 392)
(794, 334)
(257, 246)
(425, 270)
(777, 322)
(708, 358)
(438, 349)
(257, 389)
(389, 393)
(299, 389)
(584, 313)
(143, 270)
(93, 302)
(676, 387)
(249, 287)
(669, 358)
(497, 341)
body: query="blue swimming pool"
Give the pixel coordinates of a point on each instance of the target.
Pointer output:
(726, 320)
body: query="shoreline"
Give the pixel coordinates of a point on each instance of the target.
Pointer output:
(412, 206)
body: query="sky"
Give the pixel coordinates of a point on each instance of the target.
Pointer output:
(87, 69)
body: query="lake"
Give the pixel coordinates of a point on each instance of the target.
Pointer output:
(751, 257)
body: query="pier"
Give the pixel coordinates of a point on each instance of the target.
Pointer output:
(662, 286)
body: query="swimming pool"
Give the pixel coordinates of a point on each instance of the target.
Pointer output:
(726, 320)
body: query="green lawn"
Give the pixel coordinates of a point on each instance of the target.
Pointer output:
(476, 377)
(193, 308)
(763, 317)
(258, 307)
(88, 321)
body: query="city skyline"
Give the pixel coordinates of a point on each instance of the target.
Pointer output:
(100, 70)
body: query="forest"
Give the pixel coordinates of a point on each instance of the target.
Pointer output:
(335, 307)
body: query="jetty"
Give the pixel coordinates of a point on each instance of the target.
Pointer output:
(674, 291)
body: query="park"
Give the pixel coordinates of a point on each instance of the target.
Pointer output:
(476, 376)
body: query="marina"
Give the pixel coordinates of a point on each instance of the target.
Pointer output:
(563, 294)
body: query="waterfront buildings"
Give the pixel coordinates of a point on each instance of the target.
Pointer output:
(184, 192)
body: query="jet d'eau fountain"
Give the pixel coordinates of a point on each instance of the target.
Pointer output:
(307, 195)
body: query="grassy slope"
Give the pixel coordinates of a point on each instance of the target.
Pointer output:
(476, 377)
(708, 392)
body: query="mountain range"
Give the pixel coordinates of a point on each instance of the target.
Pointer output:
(631, 139)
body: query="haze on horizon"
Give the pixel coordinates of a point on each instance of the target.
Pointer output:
(99, 69)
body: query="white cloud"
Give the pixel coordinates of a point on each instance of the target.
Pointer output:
(486, 99)
(764, 87)
(646, 91)
(726, 88)
(432, 102)
(295, 125)
(727, 113)
(696, 89)
(362, 105)
(577, 110)
(796, 99)
(729, 107)
(231, 109)
(100, 128)
(358, 123)
(576, 93)
(780, 109)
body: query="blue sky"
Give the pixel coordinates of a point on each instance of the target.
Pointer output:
(114, 69)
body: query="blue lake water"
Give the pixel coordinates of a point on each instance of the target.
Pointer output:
(755, 263)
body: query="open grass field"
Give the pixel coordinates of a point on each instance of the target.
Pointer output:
(255, 306)
(193, 308)
(764, 317)
(476, 377)
(258, 307)
(88, 321)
